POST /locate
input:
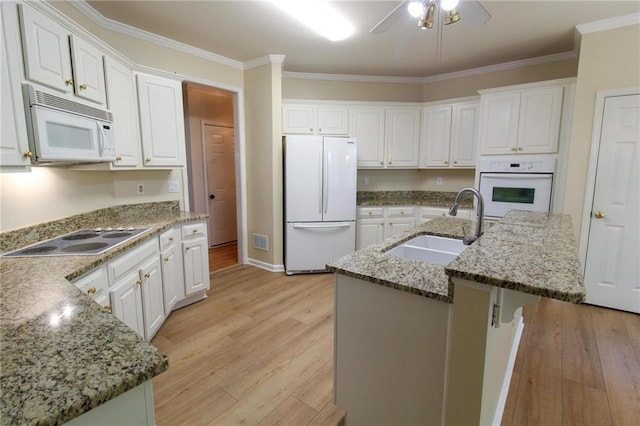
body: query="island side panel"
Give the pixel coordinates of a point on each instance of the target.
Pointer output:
(390, 354)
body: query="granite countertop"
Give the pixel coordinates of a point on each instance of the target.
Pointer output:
(53, 371)
(412, 198)
(534, 253)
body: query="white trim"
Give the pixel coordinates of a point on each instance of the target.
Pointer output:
(264, 60)
(134, 32)
(265, 265)
(290, 101)
(592, 169)
(440, 77)
(609, 24)
(506, 382)
(536, 84)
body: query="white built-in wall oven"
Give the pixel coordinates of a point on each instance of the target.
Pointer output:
(516, 184)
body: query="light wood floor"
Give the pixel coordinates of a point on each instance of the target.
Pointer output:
(258, 350)
(222, 257)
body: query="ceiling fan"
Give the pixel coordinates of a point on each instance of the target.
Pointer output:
(452, 11)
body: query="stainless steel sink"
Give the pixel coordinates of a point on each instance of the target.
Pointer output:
(81, 242)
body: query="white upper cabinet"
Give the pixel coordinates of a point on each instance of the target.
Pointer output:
(525, 121)
(402, 137)
(14, 147)
(47, 49)
(307, 119)
(123, 103)
(367, 126)
(449, 135)
(161, 121)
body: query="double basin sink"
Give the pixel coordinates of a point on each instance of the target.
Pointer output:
(430, 249)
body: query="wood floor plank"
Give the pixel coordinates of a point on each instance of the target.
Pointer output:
(632, 322)
(620, 365)
(540, 395)
(292, 412)
(222, 257)
(318, 391)
(201, 410)
(329, 415)
(584, 406)
(510, 405)
(258, 403)
(580, 358)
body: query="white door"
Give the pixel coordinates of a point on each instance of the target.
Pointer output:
(612, 268)
(464, 134)
(88, 71)
(339, 174)
(152, 297)
(196, 265)
(303, 178)
(367, 126)
(436, 136)
(126, 302)
(539, 124)
(220, 170)
(402, 137)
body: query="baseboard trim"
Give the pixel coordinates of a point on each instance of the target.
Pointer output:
(504, 391)
(265, 265)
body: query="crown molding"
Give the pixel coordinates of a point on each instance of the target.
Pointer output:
(264, 60)
(440, 77)
(128, 30)
(609, 24)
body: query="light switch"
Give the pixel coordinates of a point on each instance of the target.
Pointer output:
(174, 186)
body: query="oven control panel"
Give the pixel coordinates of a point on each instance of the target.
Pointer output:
(541, 165)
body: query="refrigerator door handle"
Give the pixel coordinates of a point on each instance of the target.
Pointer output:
(320, 202)
(325, 184)
(322, 225)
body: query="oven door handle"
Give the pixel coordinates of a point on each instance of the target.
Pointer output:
(543, 176)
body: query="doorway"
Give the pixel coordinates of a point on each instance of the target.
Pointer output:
(213, 167)
(612, 258)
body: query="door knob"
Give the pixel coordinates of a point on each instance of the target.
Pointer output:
(598, 214)
(211, 196)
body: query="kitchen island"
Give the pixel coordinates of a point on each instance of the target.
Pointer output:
(424, 343)
(62, 355)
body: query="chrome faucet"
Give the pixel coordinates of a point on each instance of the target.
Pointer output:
(453, 211)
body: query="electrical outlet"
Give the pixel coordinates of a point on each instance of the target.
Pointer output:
(439, 181)
(366, 180)
(140, 188)
(174, 186)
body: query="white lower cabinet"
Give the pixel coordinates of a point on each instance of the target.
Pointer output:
(172, 269)
(429, 213)
(126, 302)
(195, 255)
(375, 224)
(96, 285)
(152, 297)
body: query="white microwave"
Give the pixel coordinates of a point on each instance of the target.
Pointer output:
(62, 130)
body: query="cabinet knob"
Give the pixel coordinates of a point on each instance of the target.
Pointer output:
(83, 87)
(28, 154)
(170, 239)
(446, 162)
(389, 162)
(514, 149)
(138, 282)
(68, 82)
(147, 160)
(402, 212)
(319, 130)
(92, 290)
(519, 149)
(370, 213)
(311, 130)
(187, 248)
(147, 275)
(166, 259)
(455, 162)
(381, 162)
(107, 308)
(599, 215)
(119, 158)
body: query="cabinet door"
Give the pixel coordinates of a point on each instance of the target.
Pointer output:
(13, 129)
(399, 224)
(123, 103)
(298, 119)
(161, 121)
(172, 277)
(539, 125)
(464, 134)
(368, 232)
(88, 70)
(47, 58)
(196, 265)
(367, 126)
(152, 297)
(402, 137)
(332, 120)
(126, 301)
(499, 123)
(436, 135)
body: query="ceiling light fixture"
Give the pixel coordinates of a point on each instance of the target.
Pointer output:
(451, 16)
(448, 4)
(318, 15)
(427, 16)
(416, 8)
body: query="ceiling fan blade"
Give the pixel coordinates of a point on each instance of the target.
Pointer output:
(389, 20)
(472, 12)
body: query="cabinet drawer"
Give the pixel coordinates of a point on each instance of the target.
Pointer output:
(434, 211)
(168, 238)
(365, 212)
(405, 211)
(194, 230)
(94, 283)
(132, 259)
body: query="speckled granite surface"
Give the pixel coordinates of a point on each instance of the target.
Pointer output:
(417, 198)
(51, 374)
(535, 253)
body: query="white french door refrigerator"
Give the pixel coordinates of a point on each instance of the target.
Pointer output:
(320, 201)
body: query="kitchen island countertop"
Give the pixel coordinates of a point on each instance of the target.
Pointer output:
(534, 253)
(61, 354)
